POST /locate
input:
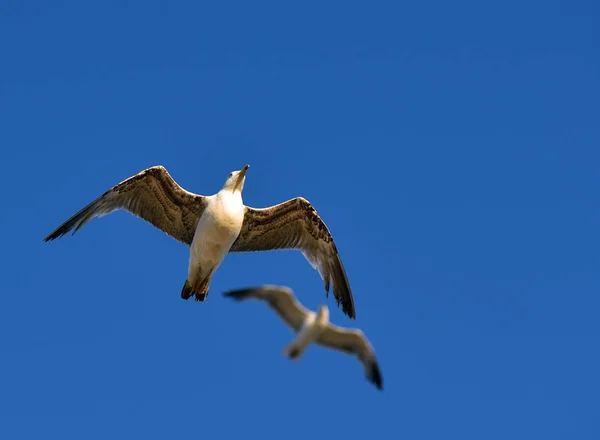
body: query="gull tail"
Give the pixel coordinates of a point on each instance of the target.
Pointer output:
(202, 292)
(198, 289)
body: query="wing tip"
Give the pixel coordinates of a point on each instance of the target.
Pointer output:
(342, 290)
(264, 291)
(238, 294)
(54, 235)
(345, 300)
(375, 375)
(65, 228)
(348, 305)
(347, 310)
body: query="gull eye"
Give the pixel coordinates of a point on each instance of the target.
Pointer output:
(230, 174)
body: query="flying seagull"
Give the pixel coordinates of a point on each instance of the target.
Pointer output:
(313, 327)
(214, 225)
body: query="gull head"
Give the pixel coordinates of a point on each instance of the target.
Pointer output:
(323, 314)
(236, 179)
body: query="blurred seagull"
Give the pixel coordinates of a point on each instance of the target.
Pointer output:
(313, 327)
(214, 225)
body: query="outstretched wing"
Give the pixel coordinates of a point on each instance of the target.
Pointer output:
(281, 299)
(295, 224)
(152, 195)
(355, 342)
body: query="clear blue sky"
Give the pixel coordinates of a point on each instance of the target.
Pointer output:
(467, 130)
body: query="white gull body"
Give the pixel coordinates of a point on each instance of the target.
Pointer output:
(217, 229)
(312, 328)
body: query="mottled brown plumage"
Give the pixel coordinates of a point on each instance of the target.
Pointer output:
(152, 195)
(295, 224)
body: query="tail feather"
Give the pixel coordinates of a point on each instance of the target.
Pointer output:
(202, 291)
(198, 289)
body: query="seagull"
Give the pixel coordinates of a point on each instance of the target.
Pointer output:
(218, 224)
(313, 327)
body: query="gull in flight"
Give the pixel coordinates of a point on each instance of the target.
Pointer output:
(218, 224)
(313, 327)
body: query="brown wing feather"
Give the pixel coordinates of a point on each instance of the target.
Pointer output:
(153, 196)
(295, 224)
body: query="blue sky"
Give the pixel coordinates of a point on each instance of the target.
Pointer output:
(467, 130)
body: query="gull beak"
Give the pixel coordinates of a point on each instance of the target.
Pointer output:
(241, 176)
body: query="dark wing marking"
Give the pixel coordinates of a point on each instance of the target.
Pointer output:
(152, 195)
(295, 224)
(281, 299)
